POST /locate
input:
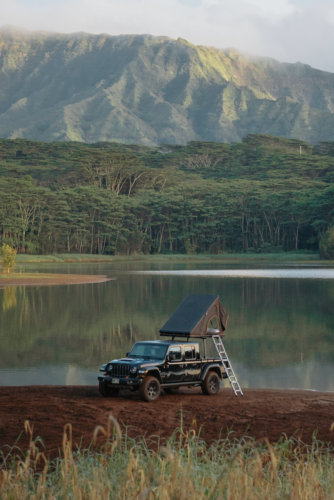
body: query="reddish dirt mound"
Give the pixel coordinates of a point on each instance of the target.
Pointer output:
(260, 413)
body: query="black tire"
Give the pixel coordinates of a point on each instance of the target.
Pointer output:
(107, 392)
(150, 389)
(211, 384)
(172, 390)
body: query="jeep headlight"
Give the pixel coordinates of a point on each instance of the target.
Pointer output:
(133, 369)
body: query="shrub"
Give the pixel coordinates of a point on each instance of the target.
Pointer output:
(190, 249)
(326, 246)
(8, 254)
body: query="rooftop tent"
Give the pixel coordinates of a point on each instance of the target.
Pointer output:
(193, 315)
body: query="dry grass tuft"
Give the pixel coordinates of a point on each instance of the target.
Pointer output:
(185, 468)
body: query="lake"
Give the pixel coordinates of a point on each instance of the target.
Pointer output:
(280, 332)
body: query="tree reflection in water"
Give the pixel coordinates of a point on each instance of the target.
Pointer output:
(271, 321)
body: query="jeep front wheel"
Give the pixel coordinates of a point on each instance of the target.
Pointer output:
(211, 384)
(106, 391)
(149, 389)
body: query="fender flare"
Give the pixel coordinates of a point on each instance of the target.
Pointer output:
(215, 367)
(154, 372)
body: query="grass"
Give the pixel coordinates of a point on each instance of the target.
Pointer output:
(184, 468)
(304, 257)
(61, 258)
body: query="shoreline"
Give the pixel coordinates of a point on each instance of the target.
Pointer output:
(36, 279)
(260, 413)
(282, 257)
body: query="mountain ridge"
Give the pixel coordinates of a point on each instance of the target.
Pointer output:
(150, 90)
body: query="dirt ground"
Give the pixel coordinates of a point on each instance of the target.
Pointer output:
(50, 279)
(260, 413)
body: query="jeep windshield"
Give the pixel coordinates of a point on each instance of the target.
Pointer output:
(145, 350)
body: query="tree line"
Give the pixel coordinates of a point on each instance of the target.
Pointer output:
(264, 194)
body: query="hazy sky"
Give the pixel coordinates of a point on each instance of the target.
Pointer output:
(288, 30)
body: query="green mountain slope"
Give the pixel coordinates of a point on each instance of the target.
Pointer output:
(148, 90)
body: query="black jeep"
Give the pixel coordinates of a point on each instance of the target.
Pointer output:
(171, 364)
(161, 364)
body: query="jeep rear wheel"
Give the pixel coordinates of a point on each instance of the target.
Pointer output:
(106, 391)
(149, 389)
(211, 384)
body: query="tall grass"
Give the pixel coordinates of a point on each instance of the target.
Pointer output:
(184, 468)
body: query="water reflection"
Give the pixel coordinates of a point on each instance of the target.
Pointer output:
(280, 331)
(309, 375)
(250, 273)
(9, 298)
(49, 375)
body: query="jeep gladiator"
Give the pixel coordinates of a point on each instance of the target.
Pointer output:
(161, 364)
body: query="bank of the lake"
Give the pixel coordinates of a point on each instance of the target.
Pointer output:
(259, 414)
(227, 258)
(267, 444)
(36, 279)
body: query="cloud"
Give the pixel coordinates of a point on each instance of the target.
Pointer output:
(280, 29)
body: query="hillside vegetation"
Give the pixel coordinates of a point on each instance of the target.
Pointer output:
(150, 90)
(265, 194)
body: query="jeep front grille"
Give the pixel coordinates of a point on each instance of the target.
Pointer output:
(119, 370)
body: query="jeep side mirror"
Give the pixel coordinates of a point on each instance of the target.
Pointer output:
(127, 354)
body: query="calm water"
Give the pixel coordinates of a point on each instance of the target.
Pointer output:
(280, 332)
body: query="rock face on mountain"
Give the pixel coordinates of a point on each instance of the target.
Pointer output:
(145, 89)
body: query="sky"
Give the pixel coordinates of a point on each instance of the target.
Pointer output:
(287, 30)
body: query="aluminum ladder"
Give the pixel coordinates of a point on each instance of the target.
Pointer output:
(227, 365)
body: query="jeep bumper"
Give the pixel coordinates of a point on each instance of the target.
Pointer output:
(121, 382)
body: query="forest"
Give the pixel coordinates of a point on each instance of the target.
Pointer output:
(263, 194)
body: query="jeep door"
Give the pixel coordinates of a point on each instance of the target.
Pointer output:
(191, 363)
(175, 370)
